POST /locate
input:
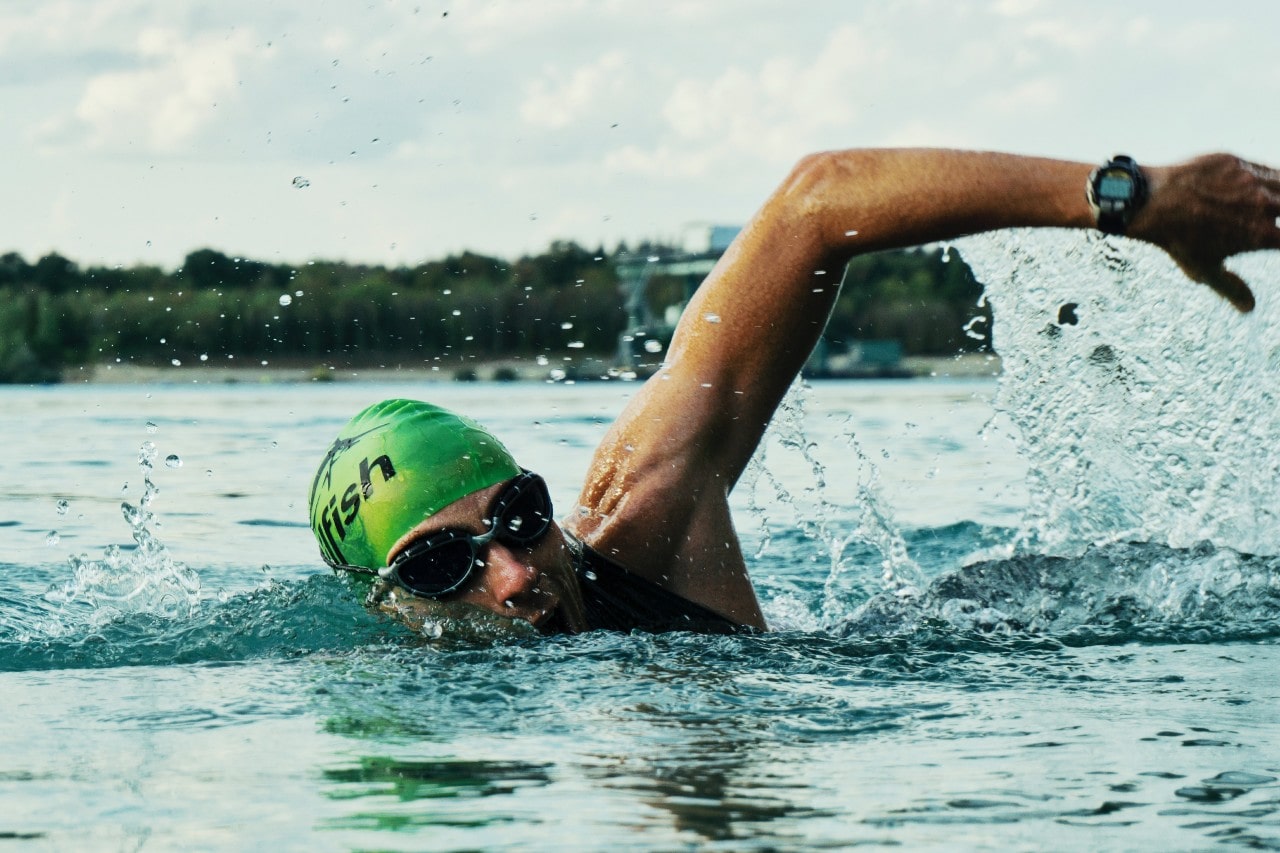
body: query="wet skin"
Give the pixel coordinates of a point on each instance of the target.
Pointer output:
(536, 585)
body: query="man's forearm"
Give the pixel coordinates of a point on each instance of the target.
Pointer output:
(1200, 212)
(867, 200)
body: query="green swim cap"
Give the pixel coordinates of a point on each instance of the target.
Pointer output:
(392, 466)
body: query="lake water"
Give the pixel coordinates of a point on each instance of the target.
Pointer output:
(1039, 614)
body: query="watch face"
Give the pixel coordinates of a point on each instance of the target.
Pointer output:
(1115, 186)
(1115, 192)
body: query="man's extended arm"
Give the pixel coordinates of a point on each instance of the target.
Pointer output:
(656, 497)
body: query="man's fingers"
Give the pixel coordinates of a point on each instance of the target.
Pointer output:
(1263, 173)
(1231, 288)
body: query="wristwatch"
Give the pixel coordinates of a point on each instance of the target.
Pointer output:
(1116, 191)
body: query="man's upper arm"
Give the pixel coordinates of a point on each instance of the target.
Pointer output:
(743, 337)
(656, 497)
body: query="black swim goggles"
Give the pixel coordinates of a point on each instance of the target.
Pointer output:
(443, 562)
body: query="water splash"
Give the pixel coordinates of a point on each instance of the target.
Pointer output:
(1114, 593)
(142, 580)
(811, 513)
(1145, 405)
(279, 620)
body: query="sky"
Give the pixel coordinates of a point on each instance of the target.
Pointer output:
(382, 131)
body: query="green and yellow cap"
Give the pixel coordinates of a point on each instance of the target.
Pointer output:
(393, 465)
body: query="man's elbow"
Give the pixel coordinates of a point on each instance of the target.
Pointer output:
(810, 176)
(809, 197)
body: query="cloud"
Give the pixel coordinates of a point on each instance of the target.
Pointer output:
(487, 26)
(559, 99)
(161, 105)
(770, 113)
(1036, 95)
(665, 161)
(182, 123)
(1015, 8)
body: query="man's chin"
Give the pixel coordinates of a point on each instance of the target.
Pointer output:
(455, 619)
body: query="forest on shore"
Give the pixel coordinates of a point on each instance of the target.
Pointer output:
(564, 302)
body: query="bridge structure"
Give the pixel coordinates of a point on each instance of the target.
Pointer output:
(649, 328)
(643, 344)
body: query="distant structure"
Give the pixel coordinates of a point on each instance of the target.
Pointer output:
(703, 239)
(644, 342)
(649, 330)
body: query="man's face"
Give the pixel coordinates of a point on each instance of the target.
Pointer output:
(535, 584)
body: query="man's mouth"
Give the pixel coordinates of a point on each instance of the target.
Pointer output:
(551, 622)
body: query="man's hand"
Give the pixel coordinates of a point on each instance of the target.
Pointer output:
(1205, 210)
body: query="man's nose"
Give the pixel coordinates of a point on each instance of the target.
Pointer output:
(507, 577)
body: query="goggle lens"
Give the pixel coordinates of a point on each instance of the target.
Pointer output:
(437, 568)
(441, 563)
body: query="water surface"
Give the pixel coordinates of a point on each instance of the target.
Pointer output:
(984, 640)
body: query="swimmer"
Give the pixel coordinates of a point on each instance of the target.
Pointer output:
(432, 505)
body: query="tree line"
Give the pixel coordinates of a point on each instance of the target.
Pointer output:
(219, 309)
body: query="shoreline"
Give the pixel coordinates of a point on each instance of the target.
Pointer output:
(962, 366)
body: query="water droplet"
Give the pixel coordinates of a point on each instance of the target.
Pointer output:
(970, 328)
(576, 345)
(173, 461)
(853, 233)
(132, 514)
(589, 575)
(300, 183)
(175, 362)
(285, 299)
(62, 507)
(509, 604)
(566, 326)
(53, 538)
(542, 361)
(456, 312)
(711, 318)
(151, 428)
(652, 345)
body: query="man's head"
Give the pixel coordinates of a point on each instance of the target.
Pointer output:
(437, 497)
(392, 466)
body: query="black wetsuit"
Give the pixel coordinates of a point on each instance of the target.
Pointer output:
(618, 600)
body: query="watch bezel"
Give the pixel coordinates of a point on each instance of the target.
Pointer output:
(1113, 213)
